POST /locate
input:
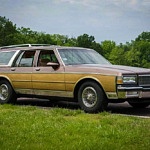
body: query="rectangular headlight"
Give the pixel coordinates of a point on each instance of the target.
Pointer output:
(129, 79)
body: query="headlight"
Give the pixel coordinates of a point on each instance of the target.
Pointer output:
(129, 79)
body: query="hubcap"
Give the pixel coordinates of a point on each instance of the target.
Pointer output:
(89, 97)
(3, 92)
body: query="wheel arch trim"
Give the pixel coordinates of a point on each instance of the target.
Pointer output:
(6, 78)
(84, 79)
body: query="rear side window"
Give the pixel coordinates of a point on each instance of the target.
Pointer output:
(5, 57)
(25, 59)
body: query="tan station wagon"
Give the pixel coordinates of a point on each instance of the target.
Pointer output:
(71, 73)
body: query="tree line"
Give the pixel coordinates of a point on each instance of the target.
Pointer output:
(134, 53)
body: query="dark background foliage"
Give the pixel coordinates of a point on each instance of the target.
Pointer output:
(134, 53)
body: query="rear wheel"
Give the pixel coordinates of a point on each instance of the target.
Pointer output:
(91, 97)
(7, 94)
(139, 105)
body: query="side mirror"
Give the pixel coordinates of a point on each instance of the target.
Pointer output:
(52, 64)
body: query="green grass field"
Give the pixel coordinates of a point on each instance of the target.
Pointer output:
(33, 128)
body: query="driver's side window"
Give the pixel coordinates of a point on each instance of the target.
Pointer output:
(45, 57)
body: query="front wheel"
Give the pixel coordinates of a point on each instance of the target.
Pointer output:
(7, 94)
(91, 97)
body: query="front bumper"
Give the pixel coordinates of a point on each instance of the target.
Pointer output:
(133, 92)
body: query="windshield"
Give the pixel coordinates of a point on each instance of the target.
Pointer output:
(5, 57)
(81, 56)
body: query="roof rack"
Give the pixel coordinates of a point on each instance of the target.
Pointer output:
(23, 45)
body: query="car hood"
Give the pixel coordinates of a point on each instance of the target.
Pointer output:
(110, 69)
(127, 69)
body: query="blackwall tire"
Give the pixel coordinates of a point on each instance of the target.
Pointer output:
(7, 94)
(91, 97)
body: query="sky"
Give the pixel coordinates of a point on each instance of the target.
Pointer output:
(117, 20)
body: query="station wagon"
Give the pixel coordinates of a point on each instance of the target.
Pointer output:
(70, 73)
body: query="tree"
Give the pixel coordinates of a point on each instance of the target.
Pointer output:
(97, 47)
(43, 38)
(133, 58)
(85, 41)
(135, 53)
(8, 32)
(26, 35)
(117, 56)
(60, 39)
(71, 42)
(144, 48)
(107, 47)
(88, 42)
(144, 36)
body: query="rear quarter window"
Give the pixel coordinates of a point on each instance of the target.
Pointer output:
(5, 57)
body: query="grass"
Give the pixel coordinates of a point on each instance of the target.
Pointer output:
(28, 128)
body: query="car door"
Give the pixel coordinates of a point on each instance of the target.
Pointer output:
(21, 72)
(48, 75)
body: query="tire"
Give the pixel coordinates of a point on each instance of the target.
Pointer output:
(91, 97)
(7, 94)
(139, 105)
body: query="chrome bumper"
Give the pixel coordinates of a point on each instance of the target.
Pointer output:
(133, 92)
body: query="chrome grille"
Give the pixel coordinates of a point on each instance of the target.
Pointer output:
(144, 80)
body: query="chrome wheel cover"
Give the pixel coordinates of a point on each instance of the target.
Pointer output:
(3, 92)
(89, 97)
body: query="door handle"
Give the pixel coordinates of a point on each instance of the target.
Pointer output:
(37, 69)
(13, 69)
